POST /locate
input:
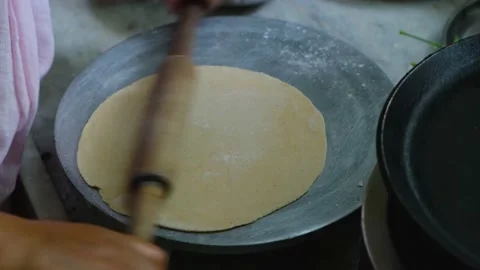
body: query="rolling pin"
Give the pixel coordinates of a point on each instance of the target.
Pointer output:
(162, 128)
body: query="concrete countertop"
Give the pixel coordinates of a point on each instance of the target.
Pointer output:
(83, 31)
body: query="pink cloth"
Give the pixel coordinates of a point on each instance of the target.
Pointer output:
(26, 53)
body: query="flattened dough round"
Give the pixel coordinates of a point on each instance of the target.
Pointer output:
(253, 145)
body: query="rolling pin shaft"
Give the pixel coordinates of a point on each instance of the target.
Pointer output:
(161, 132)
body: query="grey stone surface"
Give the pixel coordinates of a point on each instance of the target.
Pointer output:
(83, 31)
(38, 185)
(243, 2)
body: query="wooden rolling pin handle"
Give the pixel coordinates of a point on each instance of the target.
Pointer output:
(168, 111)
(174, 89)
(147, 198)
(183, 39)
(140, 180)
(163, 130)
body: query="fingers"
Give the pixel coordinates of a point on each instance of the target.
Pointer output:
(113, 248)
(125, 252)
(137, 245)
(128, 260)
(149, 253)
(148, 257)
(84, 246)
(149, 250)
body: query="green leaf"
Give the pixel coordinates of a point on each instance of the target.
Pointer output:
(434, 44)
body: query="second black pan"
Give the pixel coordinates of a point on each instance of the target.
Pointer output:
(428, 145)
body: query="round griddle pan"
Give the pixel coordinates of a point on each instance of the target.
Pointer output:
(428, 145)
(393, 240)
(464, 23)
(375, 230)
(415, 249)
(347, 87)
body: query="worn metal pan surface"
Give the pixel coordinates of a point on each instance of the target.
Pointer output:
(347, 87)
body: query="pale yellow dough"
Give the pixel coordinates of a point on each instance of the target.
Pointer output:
(253, 145)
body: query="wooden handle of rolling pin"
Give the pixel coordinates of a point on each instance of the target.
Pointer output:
(146, 203)
(157, 156)
(161, 143)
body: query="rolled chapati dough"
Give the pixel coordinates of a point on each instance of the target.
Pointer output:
(252, 145)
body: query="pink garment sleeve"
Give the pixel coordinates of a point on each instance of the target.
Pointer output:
(26, 53)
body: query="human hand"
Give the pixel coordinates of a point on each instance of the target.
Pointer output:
(43, 245)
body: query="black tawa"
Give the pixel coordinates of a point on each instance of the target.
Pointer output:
(415, 248)
(347, 87)
(429, 145)
(464, 23)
